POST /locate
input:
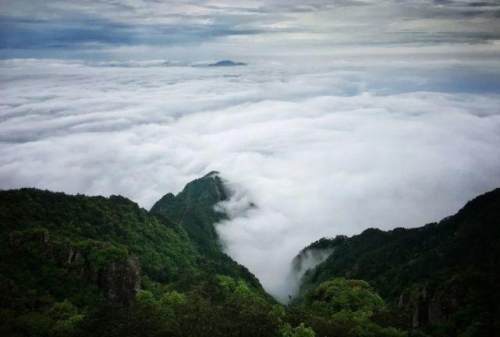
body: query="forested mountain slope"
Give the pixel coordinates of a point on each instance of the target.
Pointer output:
(83, 253)
(193, 209)
(78, 266)
(443, 277)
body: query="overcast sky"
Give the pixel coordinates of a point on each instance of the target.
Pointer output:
(348, 115)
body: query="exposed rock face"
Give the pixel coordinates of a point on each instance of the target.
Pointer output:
(74, 256)
(427, 306)
(420, 310)
(121, 280)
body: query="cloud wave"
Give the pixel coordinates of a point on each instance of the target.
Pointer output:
(320, 150)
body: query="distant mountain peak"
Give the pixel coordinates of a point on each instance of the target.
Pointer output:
(226, 63)
(211, 174)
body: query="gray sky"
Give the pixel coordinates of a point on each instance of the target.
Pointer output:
(178, 28)
(349, 114)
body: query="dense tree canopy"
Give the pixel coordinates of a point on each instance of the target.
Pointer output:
(93, 266)
(442, 278)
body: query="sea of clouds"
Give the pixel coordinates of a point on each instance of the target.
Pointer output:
(320, 146)
(350, 114)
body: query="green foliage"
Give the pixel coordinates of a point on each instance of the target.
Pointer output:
(68, 327)
(145, 297)
(211, 309)
(299, 331)
(173, 298)
(63, 319)
(340, 294)
(193, 209)
(63, 311)
(67, 261)
(344, 308)
(358, 323)
(101, 254)
(445, 273)
(162, 247)
(64, 258)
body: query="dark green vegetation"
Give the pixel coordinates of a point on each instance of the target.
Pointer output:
(443, 278)
(95, 266)
(77, 265)
(193, 210)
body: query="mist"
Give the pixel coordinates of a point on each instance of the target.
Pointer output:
(346, 116)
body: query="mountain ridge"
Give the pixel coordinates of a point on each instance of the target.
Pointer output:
(431, 272)
(193, 208)
(74, 266)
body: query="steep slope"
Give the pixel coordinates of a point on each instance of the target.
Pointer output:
(88, 231)
(444, 275)
(93, 266)
(193, 209)
(82, 253)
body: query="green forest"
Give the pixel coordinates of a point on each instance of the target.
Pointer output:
(74, 265)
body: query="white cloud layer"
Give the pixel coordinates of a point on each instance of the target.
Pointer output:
(322, 146)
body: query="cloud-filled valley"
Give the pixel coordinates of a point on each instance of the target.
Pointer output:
(319, 152)
(346, 115)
